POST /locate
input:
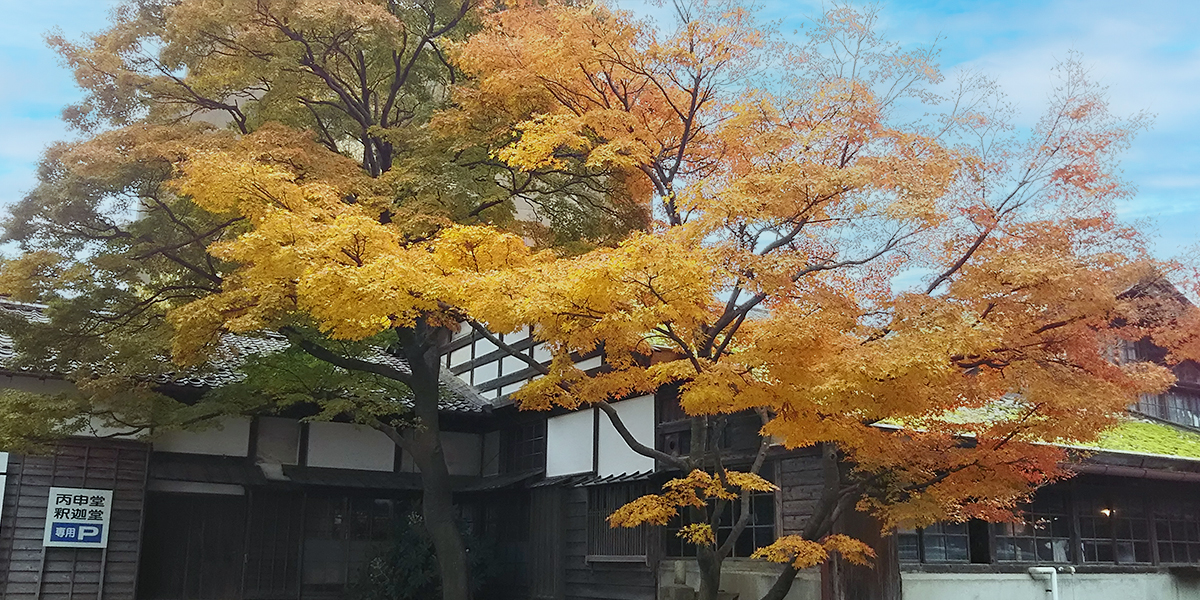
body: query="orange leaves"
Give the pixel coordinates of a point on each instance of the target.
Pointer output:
(695, 490)
(802, 553)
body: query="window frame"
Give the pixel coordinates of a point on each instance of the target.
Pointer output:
(600, 502)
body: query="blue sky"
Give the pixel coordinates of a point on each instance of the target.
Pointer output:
(1145, 51)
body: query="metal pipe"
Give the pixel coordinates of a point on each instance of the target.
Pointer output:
(1050, 576)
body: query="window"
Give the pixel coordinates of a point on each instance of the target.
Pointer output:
(1177, 406)
(340, 534)
(1177, 532)
(523, 446)
(1113, 530)
(938, 543)
(605, 541)
(1043, 533)
(760, 530)
(1090, 525)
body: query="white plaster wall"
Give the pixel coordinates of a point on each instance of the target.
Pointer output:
(230, 437)
(277, 441)
(569, 443)
(615, 457)
(1020, 586)
(349, 446)
(748, 578)
(462, 451)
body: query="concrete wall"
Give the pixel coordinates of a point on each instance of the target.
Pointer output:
(615, 457)
(230, 437)
(1020, 586)
(748, 578)
(348, 446)
(569, 443)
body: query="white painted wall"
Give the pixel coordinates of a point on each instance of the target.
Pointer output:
(349, 446)
(463, 452)
(569, 443)
(195, 487)
(748, 578)
(277, 441)
(615, 457)
(230, 437)
(1020, 586)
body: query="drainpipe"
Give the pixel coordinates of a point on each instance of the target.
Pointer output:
(1050, 576)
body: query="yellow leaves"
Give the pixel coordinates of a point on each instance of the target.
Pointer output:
(793, 549)
(749, 481)
(851, 549)
(477, 249)
(310, 250)
(700, 534)
(24, 278)
(694, 490)
(651, 509)
(802, 553)
(541, 138)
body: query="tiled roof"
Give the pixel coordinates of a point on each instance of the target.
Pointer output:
(458, 396)
(590, 479)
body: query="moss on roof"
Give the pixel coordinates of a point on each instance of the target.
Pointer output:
(1148, 437)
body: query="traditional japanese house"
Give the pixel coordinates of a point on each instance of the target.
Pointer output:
(275, 507)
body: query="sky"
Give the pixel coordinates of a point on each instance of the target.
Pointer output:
(1144, 51)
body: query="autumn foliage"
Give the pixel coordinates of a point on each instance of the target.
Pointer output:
(932, 301)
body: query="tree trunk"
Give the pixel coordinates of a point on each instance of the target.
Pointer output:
(422, 348)
(437, 505)
(710, 573)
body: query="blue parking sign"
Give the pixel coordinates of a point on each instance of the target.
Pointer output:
(77, 517)
(76, 532)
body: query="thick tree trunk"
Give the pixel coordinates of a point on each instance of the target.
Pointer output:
(422, 348)
(437, 506)
(710, 573)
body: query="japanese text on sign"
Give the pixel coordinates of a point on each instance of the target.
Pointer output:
(77, 518)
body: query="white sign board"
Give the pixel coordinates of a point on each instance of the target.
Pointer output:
(77, 518)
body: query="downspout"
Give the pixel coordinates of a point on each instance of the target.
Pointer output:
(1050, 576)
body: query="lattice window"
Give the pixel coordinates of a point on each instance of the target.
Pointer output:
(760, 531)
(1114, 530)
(523, 446)
(1177, 532)
(1043, 533)
(604, 541)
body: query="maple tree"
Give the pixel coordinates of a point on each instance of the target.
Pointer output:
(790, 193)
(774, 193)
(318, 108)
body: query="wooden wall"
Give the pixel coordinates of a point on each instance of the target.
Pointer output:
(29, 572)
(800, 482)
(597, 580)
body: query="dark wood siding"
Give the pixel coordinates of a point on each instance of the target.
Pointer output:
(28, 572)
(597, 580)
(546, 543)
(800, 482)
(193, 547)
